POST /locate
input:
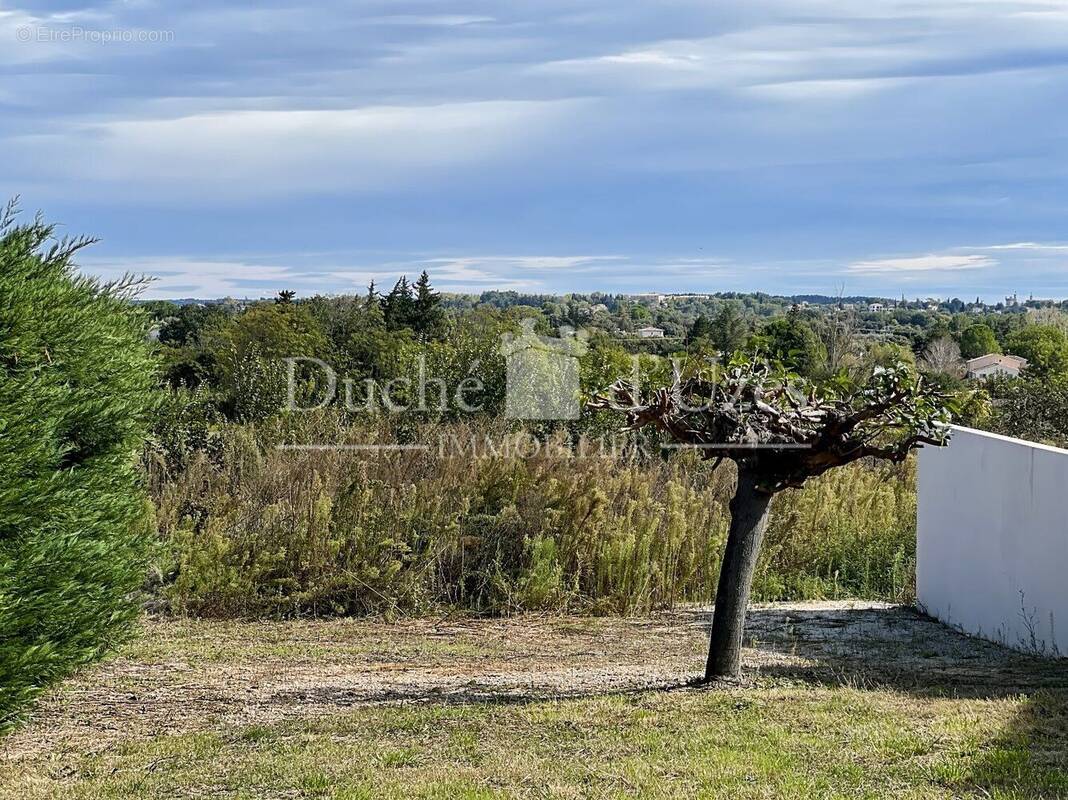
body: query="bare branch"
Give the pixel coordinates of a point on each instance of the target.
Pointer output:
(783, 428)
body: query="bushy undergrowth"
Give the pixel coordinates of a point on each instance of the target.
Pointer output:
(850, 533)
(253, 530)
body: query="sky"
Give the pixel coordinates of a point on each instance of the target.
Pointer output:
(880, 148)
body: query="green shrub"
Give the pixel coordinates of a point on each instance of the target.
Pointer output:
(1035, 409)
(75, 385)
(183, 426)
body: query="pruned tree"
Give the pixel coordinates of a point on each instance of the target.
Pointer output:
(780, 430)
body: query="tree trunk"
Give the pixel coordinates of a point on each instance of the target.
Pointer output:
(749, 519)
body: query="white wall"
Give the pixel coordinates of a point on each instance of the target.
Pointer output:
(993, 523)
(994, 370)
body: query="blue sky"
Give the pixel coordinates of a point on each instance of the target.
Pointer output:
(882, 147)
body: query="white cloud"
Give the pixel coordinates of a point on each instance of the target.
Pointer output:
(444, 271)
(1037, 247)
(252, 153)
(658, 58)
(177, 276)
(527, 262)
(430, 20)
(312, 273)
(839, 89)
(191, 276)
(18, 30)
(928, 263)
(839, 50)
(80, 35)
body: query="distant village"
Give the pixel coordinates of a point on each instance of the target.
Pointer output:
(660, 322)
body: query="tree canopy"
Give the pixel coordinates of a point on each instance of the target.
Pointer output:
(1044, 346)
(978, 340)
(783, 427)
(790, 341)
(729, 328)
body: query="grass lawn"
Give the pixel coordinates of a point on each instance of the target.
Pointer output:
(840, 702)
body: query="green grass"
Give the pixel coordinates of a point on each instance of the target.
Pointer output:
(838, 702)
(756, 743)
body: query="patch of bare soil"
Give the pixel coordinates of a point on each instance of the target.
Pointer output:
(185, 676)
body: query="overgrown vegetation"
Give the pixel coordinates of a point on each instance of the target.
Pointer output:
(76, 384)
(514, 525)
(250, 530)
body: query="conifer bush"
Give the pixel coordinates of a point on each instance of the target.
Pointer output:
(76, 387)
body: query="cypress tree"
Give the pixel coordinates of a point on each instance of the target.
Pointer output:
(76, 389)
(427, 310)
(398, 307)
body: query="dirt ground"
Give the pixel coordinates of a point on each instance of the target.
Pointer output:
(184, 676)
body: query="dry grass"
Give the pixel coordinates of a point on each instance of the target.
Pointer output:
(569, 527)
(842, 700)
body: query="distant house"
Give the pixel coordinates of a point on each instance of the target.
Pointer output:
(651, 333)
(874, 307)
(995, 364)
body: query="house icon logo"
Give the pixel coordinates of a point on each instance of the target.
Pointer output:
(542, 374)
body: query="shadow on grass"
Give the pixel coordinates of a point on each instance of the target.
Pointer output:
(892, 648)
(901, 650)
(472, 693)
(873, 648)
(1029, 758)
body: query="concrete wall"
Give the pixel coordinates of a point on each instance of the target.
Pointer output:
(992, 549)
